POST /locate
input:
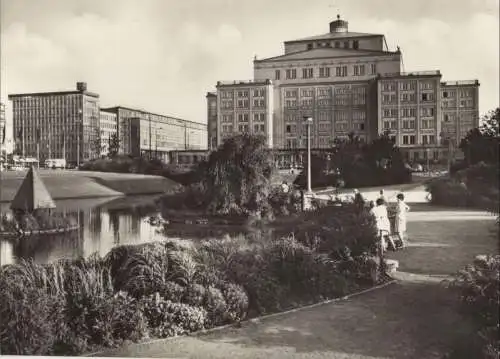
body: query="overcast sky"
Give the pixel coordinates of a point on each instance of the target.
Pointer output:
(164, 55)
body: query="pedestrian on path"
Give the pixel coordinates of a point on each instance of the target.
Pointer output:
(400, 222)
(382, 196)
(382, 222)
(359, 201)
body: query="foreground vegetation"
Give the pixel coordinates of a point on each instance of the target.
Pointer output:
(176, 287)
(474, 183)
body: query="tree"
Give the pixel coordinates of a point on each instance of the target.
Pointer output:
(96, 144)
(113, 145)
(481, 143)
(238, 177)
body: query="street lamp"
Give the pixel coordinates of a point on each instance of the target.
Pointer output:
(308, 120)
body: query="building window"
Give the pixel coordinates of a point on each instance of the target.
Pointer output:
(359, 70)
(291, 103)
(341, 71)
(346, 44)
(309, 46)
(355, 44)
(445, 94)
(242, 93)
(408, 124)
(307, 93)
(242, 103)
(291, 74)
(259, 103)
(307, 73)
(324, 72)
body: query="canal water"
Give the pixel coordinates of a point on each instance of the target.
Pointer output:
(103, 223)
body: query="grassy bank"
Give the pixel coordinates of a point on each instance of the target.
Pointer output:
(86, 184)
(176, 287)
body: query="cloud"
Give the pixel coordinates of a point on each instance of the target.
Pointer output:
(164, 55)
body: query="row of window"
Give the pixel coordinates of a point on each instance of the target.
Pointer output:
(325, 72)
(336, 116)
(257, 103)
(425, 140)
(243, 93)
(338, 100)
(407, 85)
(407, 97)
(244, 117)
(408, 124)
(336, 44)
(326, 92)
(408, 112)
(293, 129)
(461, 93)
(257, 128)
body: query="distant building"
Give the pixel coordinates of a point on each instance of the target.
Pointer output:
(212, 120)
(349, 82)
(60, 124)
(145, 133)
(108, 126)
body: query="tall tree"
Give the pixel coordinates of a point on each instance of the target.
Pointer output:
(113, 145)
(481, 143)
(96, 144)
(238, 176)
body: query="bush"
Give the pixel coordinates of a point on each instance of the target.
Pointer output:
(168, 319)
(479, 288)
(216, 307)
(236, 300)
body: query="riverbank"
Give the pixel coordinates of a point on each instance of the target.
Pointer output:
(87, 184)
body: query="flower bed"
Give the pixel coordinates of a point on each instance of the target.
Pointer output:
(177, 287)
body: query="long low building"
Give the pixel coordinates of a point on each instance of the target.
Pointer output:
(144, 133)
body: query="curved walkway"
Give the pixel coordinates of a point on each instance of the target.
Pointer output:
(413, 318)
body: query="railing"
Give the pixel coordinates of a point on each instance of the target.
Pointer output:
(415, 73)
(244, 82)
(461, 82)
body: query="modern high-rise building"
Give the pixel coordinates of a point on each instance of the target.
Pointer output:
(68, 124)
(56, 124)
(108, 125)
(349, 82)
(145, 133)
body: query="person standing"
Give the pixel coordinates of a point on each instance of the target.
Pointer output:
(382, 221)
(400, 222)
(382, 196)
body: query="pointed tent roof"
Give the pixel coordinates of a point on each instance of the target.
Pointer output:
(32, 194)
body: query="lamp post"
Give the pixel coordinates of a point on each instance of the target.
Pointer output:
(308, 121)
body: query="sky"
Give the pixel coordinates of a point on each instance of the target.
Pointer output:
(164, 55)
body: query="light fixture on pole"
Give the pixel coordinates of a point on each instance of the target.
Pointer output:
(308, 120)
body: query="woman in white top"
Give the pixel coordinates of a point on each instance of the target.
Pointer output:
(382, 220)
(401, 209)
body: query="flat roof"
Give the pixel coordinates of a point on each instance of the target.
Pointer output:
(334, 36)
(54, 93)
(108, 109)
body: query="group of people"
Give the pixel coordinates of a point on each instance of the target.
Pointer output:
(390, 237)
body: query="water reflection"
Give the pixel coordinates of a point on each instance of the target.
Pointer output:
(102, 225)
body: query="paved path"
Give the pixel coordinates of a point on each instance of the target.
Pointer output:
(413, 318)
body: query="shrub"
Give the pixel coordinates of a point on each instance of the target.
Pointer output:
(194, 295)
(237, 301)
(216, 307)
(479, 288)
(167, 319)
(173, 291)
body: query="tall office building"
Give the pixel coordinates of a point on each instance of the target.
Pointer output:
(245, 107)
(145, 133)
(108, 126)
(351, 82)
(56, 124)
